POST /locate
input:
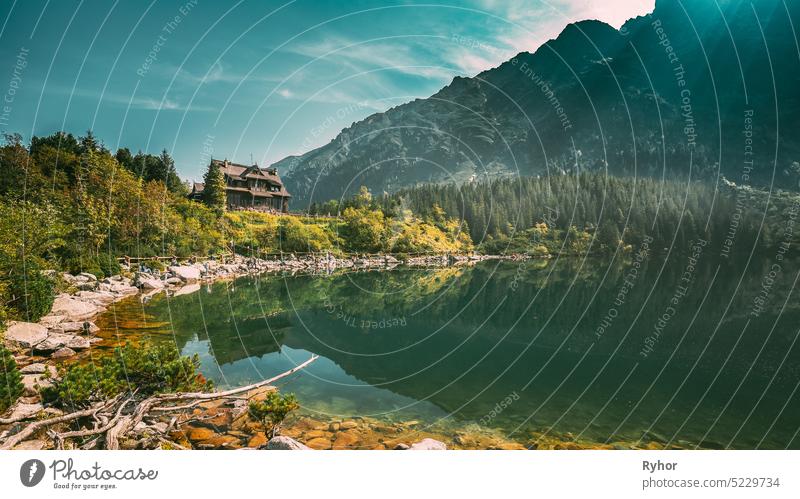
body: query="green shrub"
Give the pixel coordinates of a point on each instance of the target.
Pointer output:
(146, 368)
(297, 237)
(10, 379)
(100, 266)
(29, 292)
(272, 411)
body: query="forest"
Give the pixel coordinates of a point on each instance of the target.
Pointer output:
(69, 204)
(505, 213)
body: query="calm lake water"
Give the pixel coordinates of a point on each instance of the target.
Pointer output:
(690, 353)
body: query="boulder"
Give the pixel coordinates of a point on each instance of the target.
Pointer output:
(50, 321)
(26, 334)
(73, 309)
(21, 410)
(90, 277)
(53, 342)
(285, 443)
(33, 382)
(348, 425)
(429, 444)
(151, 284)
(185, 272)
(174, 281)
(37, 368)
(123, 289)
(79, 327)
(78, 343)
(87, 286)
(98, 297)
(63, 353)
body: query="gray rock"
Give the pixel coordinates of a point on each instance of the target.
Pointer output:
(51, 320)
(24, 410)
(63, 353)
(79, 327)
(401, 446)
(53, 342)
(285, 443)
(26, 334)
(123, 289)
(73, 309)
(185, 272)
(37, 368)
(87, 286)
(78, 343)
(97, 297)
(174, 280)
(34, 382)
(429, 444)
(89, 276)
(151, 284)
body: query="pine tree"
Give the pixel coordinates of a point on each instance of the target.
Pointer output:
(214, 190)
(10, 384)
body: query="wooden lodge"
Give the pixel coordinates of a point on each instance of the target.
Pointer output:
(249, 188)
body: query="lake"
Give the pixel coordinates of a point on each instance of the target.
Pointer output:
(692, 351)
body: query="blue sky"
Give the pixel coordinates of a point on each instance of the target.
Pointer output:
(239, 78)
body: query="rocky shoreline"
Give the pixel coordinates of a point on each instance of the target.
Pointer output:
(69, 329)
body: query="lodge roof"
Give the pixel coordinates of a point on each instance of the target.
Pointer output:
(244, 172)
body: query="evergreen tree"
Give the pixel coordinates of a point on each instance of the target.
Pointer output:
(214, 191)
(10, 384)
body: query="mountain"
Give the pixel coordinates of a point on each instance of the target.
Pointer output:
(706, 88)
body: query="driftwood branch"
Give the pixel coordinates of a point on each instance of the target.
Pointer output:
(37, 425)
(170, 397)
(111, 424)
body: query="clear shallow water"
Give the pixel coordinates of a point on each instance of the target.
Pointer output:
(520, 347)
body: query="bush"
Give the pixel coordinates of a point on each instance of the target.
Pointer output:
(272, 411)
(147, 368)
(101, 266)
(295, 236)
(10, 380)
(364, 230)
(30, 293)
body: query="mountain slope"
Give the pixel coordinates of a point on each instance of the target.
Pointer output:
(717, 79)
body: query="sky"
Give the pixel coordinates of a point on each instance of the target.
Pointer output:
(252, 80)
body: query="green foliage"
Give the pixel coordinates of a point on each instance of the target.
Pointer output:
(10, 379)
(364, 230)
(214, 190)
(606, 209)
(146, 368)
(272, 411)
(101, 265)
(296, 236)
(29, 293)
